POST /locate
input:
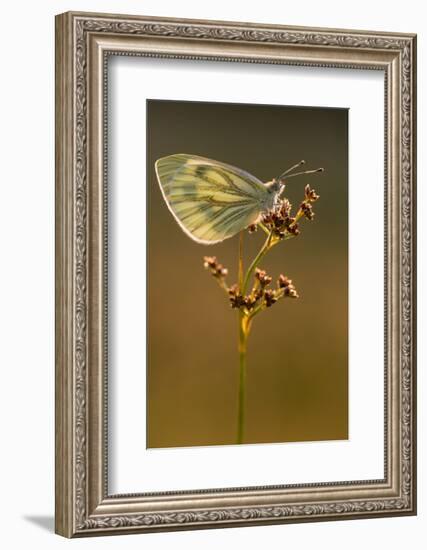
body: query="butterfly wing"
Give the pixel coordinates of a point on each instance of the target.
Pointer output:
(210, 200)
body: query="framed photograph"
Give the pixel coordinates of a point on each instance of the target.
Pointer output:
(235, 274)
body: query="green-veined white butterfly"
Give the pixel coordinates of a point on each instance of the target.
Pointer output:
(211, 200)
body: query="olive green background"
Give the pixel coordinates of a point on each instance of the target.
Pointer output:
(297, 377)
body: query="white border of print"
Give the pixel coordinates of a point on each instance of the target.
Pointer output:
(131, 466)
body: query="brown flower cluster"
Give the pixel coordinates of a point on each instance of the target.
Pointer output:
(285, 285)
(285, 288)
(252, 228)
(262, 277)
(261, 296)
(306, 207)
(310, 194)
(280, 221)
(237, 300)
(216, 269)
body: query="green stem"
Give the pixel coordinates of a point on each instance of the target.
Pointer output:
(265, 248)
(255, 311)
(245, 321)
(240, 266)
(244, 327)
(266, 231)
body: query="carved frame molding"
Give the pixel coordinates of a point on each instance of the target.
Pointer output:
(83, 43)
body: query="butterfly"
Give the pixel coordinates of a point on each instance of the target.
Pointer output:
(213, 201)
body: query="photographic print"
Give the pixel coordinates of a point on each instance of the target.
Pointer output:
(247, 274)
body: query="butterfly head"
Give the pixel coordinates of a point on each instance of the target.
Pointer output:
(275, 186)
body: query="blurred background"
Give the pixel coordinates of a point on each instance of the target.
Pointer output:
(297, 373)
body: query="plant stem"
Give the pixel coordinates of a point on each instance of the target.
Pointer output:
(265, 248)
(240, 266)
(245, 321)
(244, 327)
(242, 351)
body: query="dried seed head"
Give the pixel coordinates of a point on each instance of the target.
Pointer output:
(293, 228)
(257, 294)
(283, 281)
(291, 292)
(262, 277)
(310, 194)
(279, 220)
(259, 273)
(233, 290)
(269, 298)
(236, 299)
(209, 261)
(216, 269)
(307, 210)
(285, 208)
(252, 228)
(266, 218)
(276, 220)
(249, 302)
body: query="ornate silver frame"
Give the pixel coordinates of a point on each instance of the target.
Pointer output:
(83, 42)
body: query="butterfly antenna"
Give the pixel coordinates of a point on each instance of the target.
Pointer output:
(304, 172)
(297, 165)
